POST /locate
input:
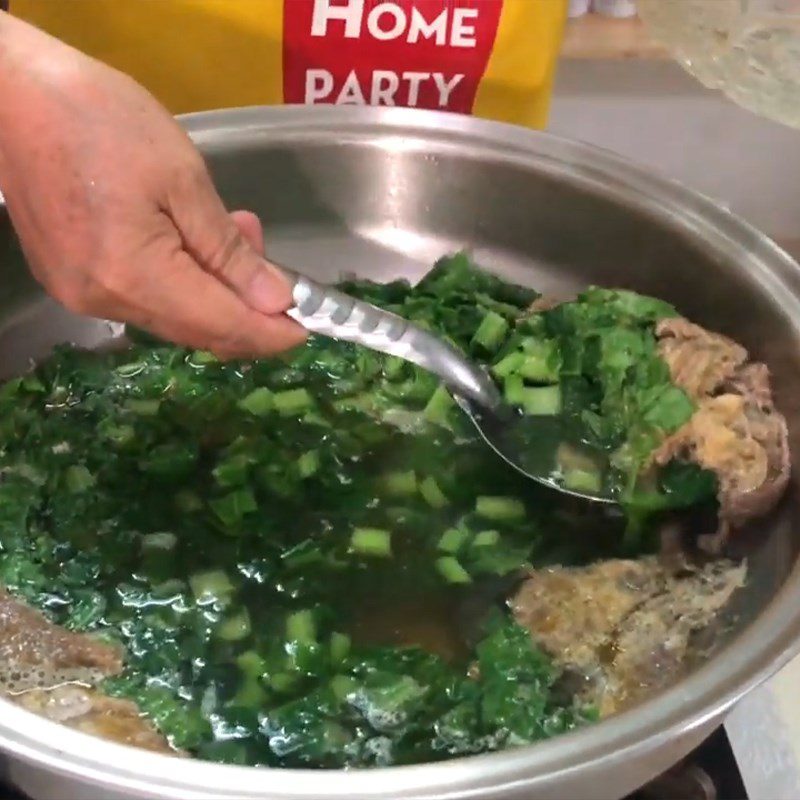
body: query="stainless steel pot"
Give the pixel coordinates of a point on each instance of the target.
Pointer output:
(384, 192)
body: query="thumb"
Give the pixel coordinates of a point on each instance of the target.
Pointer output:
(229, 246)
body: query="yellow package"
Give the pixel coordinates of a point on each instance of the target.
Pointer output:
(491, 58)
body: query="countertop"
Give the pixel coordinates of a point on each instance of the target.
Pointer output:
(764, 728)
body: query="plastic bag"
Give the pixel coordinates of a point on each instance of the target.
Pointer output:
(491, 58)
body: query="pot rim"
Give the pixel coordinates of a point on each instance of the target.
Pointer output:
(757, 652)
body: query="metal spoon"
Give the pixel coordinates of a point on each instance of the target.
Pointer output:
(327, 311)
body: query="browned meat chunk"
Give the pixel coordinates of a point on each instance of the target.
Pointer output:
(47, 669)
(574, 611)
(699, 361)
(652, 645)
(33, 650)
(625, 627)
(544, 303)
(89, 711)
(736, 431)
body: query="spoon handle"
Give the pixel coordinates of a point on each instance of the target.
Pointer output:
(327, 311)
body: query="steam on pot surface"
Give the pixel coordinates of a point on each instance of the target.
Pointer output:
(313, 561)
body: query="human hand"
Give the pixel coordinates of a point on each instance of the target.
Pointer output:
(116, 211)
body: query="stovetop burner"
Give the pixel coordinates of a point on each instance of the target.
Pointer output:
(709, 773)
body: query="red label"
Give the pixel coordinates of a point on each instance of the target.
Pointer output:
(422, 53)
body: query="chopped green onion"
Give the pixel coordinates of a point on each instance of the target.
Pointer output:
(514, 390)
(339, 646)
(259, 402)
(486, 539)
(451, 570)
(77, 478)
(581, 480)
(508, 365)
(543, 401)
(308, 464)
(160, 542)
(540, 362)
(432, 494)
(452, 540)
(233, 506)
(292, 402)
(251, 664)
(400, 484)
(500, 509)
(491, 332)
(234, 628)
(301, 627)
(371, 542)
(144, 408)
(439, 405)
(213, 586)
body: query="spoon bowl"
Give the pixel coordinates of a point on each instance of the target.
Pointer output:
(500, 429)
(330, 312)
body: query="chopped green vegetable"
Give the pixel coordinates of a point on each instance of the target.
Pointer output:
(213, 586)
(509, 364)
(308, 464)
(232, 507)
(340, 647)
(451, 570)
(293, 402)
(259, 402)
(301, 627)
(394, 367)
(581, 480)
(251, 664)
(452, 540)
(540, 400)
(78, 478)
(371, 542)
(432, 494)
(491, 332)
(233, 471)
(400, 484)
(541, 362)
(514, 390)
(235, 627)
(500, 509)
(438, 408)
(486, 539)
